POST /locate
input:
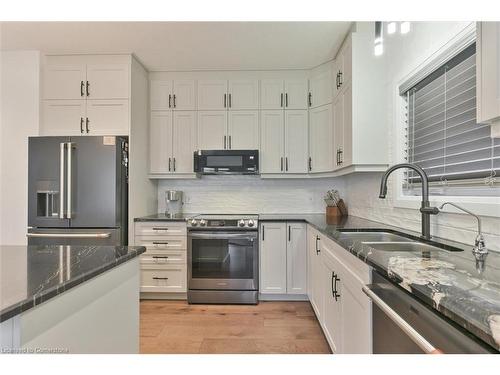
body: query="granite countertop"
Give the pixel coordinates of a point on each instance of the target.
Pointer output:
(163, 217)
(31, 275)
(448, 281)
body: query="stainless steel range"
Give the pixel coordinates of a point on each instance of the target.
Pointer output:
(223, 259)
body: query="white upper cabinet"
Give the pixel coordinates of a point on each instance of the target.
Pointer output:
(160, 95)
(272, 144)
(184, 94)
(107, 81)
(295, 94)
(212, 130)
(212, 94)
(64, 80)
(271, 94)
(107, 117)
(160, 143)
(184, 141)
(243, 94)
(273, 255)
(176, 95)
(343, 141)
(488, 75)
(243, 130)
(321, 139)
(342, 67)
(65, 117)
(296, 145)
(296, 258)
(320, 86)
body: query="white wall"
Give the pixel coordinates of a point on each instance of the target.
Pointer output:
(402, 55)
(250, 194)
(19, 98)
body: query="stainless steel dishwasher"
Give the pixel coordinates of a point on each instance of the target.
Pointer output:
(403, 325)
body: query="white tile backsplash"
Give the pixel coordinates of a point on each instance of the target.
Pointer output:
(250, 194)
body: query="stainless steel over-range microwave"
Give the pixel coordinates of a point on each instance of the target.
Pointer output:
(226, 161)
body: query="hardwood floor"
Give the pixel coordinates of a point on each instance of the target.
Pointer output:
(270, 327)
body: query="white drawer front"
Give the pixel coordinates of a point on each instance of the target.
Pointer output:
(163, 278)
(162, 242)
(164, 257)
(160, 228)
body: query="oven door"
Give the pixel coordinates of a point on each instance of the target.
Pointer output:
(223, 260)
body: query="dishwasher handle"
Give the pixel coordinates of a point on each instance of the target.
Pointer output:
(416, 337)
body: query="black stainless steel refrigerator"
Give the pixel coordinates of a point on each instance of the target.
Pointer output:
(77, 190)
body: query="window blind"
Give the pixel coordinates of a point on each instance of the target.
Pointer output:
(442, 135)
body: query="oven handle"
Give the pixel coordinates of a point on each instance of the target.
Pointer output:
(223, 235)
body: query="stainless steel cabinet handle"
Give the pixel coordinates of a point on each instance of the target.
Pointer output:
(160, 278)
(289, 233)
(336, 294)
(68, 235)
(175, 105)
(62, 180)
(230, 146)
(160, 243)
(333, 287)
(81, 125)
(174, 164)
(281, 161)
(318, 250)
(263, 232)
(160, 228)
(224, 142)
(286, 163)
(87, 88)
(310, 163)
(416, 337)
(229, 100)
(309, 100)
(281, 100)
(341, 81)
(87, 127)
(169, 164)
(286, 100)
(160, 257)
(225, 100)
(81, 88)
(69, 173)
(169, 100)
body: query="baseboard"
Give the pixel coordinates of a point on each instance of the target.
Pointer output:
(283, 297)
(170, 296)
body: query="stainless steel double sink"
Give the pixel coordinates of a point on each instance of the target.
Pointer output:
(391, 241)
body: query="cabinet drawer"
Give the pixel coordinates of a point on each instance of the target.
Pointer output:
(163, 257)
(163, 278)
(162, 242)
(160, 228)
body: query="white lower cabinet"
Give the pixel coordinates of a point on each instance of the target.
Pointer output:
(164, 264)
(342, 309)
(283, 258)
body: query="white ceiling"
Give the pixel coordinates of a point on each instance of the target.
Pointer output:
(186, 45)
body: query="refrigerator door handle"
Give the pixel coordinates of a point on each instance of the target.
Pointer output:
(69, 235)
(61, 181)
(69, 176)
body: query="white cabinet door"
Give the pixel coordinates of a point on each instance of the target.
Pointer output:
(296, 258)
(317, 284)
(296, 144)
(332, 323)
(346, 155)
(355, 316)
(63, 117)
(338, 129)
(273, 258)
(212, 94)
(488, 73)
(320, 87)
(108, 81)
(160, 95)
(108, 117)
(321, 139)
(272, 146)
(296, 94)
(271, 94)
(184, 92)
(64, 81)
(160, 142)
(184, 141)
(346, 67)
(243, 130)
(243, 94)
(212, 130)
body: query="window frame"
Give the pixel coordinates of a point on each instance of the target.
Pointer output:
(481, 205)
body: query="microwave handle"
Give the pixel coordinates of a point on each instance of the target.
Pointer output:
(222, 235)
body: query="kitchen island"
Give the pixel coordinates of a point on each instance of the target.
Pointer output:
(69, 299)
